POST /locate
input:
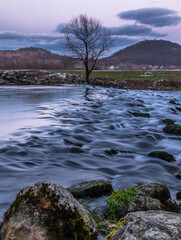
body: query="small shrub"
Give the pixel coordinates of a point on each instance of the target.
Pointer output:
(120, 199)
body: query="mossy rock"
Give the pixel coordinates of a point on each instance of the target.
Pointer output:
(139, 114)
(172, 206)
(173, 129)
(141, 203)
(92, 189)
(47, 211)
(162, 155)
(150, 196)
(120, 223)
(154, 190)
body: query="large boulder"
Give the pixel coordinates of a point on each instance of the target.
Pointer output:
(47, 211)
(150, 225)
(92, 189)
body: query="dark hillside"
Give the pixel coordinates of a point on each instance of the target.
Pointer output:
(155, 52)
(34, 58)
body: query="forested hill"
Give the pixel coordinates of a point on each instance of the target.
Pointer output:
(155, 52)
(34, 58)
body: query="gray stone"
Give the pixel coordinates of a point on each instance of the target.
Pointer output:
(151, 225)
(47, 211)
(93, 189)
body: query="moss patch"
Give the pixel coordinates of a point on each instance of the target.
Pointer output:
(121, 222)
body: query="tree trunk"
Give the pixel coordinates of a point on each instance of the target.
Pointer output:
(87, 76)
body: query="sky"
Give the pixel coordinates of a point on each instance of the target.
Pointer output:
(38, 23)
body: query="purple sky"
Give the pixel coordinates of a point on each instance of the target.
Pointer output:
(25, 23)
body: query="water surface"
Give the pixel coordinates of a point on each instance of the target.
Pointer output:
(70, 134)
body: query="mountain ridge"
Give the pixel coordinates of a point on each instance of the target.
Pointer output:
(140, 55)
(154, 52)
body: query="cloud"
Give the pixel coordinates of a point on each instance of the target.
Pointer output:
(29, 37)
(16, 40)
(155, 17)
(135, 30)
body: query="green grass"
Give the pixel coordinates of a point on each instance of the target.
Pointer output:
(123, 75)
(120, 199)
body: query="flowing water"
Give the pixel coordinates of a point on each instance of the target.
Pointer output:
(70, 134)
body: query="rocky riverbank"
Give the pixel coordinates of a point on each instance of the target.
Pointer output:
(47, 211)
(25, 77)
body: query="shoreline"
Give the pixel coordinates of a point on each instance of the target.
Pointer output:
(47, 78)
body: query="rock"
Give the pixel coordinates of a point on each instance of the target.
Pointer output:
(92, 189)
(150, 196)
(172, 206)
(168, 121)
(178, 196)
(173, 129)
(111, 151)
(173, 102)
(179, 109)
(141, 203)
(47, 211)
(73, 143)
(154, 190)
(162, 155)
(76, 150)
(151, 225)
(178, 174)
(138, 114)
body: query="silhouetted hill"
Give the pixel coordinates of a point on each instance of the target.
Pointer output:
(154, 52)
(34, 58)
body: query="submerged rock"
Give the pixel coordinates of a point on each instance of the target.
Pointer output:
(168, 121)
(77, 144)
(162, 155)
(111, 151)
(93, 189)
(47, 211)
(76, 150)
(173, 129)
(173, 102)
(178, 174)
(152, 225)
(139, 114)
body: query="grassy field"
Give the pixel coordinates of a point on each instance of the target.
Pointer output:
(123, 75)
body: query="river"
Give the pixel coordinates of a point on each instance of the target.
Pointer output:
(70, 134)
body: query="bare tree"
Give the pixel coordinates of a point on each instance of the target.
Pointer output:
(86, 40)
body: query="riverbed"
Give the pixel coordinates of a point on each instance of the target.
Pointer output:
(69, 134)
